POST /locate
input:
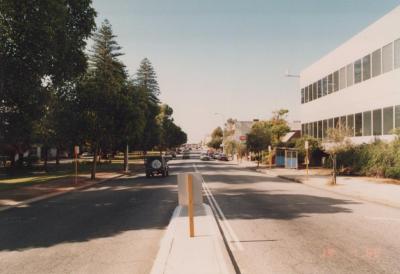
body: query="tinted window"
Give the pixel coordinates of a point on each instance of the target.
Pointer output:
(376, 63)
(330, 83)
(342, 122)
(349, 75)
(310, 93)
(319, 89)
(377, 121)
(367, 123)
(397, 116)
(336, 81)
(306, 94)
(358, 124)
(302, 95)
(366, 67)
(336, 122)
(387, 58)
(342, 78)
(397, 53)
(314, 91)
(325, 126)
(350, 124)
(387, 120)
(319, 129)
(325, 86)
(330, 123)
(357, 71)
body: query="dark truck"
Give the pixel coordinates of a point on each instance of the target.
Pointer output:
(156, 165)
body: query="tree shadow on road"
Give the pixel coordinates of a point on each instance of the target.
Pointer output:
(247, 203)
(104, 210)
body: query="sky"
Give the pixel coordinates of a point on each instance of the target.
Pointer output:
(220, 59)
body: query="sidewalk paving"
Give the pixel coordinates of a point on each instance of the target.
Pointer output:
(205, 253)
(22, 195)
(365, 188)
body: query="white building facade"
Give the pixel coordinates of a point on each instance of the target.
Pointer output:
(357, 85)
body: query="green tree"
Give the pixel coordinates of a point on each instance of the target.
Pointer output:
(216, 138)
(101, 94)
(41, 46)
(259, 138)
(279, 126)
(146, 81)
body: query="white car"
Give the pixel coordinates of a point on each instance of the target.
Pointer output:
(204, 157)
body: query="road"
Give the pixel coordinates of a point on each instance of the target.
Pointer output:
(277, 226)
(114, 227)
(271, 226)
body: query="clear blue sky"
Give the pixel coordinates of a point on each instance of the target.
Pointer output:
(229, 56)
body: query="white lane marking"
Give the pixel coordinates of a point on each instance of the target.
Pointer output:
(216, 208)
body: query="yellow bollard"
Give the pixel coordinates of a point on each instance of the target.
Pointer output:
(190, 205)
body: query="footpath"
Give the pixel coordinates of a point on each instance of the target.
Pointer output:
(376, 190)
(205, 253)
(23, 195)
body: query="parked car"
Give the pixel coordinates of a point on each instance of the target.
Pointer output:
(217, 155)
(156, 165)
(186, 155)
(223, 157)
(171, 153)
(204, 157)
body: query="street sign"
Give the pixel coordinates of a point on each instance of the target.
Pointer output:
(243, 138)
(306, 144)
(269, 149)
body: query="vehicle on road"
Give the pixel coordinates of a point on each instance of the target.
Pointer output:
(156, 165)
(223, 157)
(171, 153)
(186, 155)
(205, 157)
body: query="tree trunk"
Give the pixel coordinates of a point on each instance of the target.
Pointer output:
(45, 158)
(126, 160)
(57, 156)
(334, 170)
(94, 164)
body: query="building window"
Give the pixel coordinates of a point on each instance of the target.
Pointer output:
(342, 78)
(324, 128)
(302, 95)
(330, 83)
(387, 120)
(315, 132)
(376, 63)
(397, 53)
(357, 71)
(306, 94)
(336, 122)
(387, 58)
(342, 123)
(325, 86)
(367, 123)
(350, 124)
(309, 131)
(349, 75)
(336, 81)
(310, 93)
(366, 67)
(330, 123)
(314, 91)
(397, 116)
(319, 129)
(319, 89)
(377, 121)
(358, 124)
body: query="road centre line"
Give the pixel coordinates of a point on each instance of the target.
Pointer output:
(218, 211)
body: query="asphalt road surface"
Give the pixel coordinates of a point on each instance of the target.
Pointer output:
(277, 226)
(113, 227)
(271, 225)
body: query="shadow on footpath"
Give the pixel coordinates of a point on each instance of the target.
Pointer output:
(105, 210)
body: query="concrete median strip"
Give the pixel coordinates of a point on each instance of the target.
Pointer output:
(58, 193)
(205, 253)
